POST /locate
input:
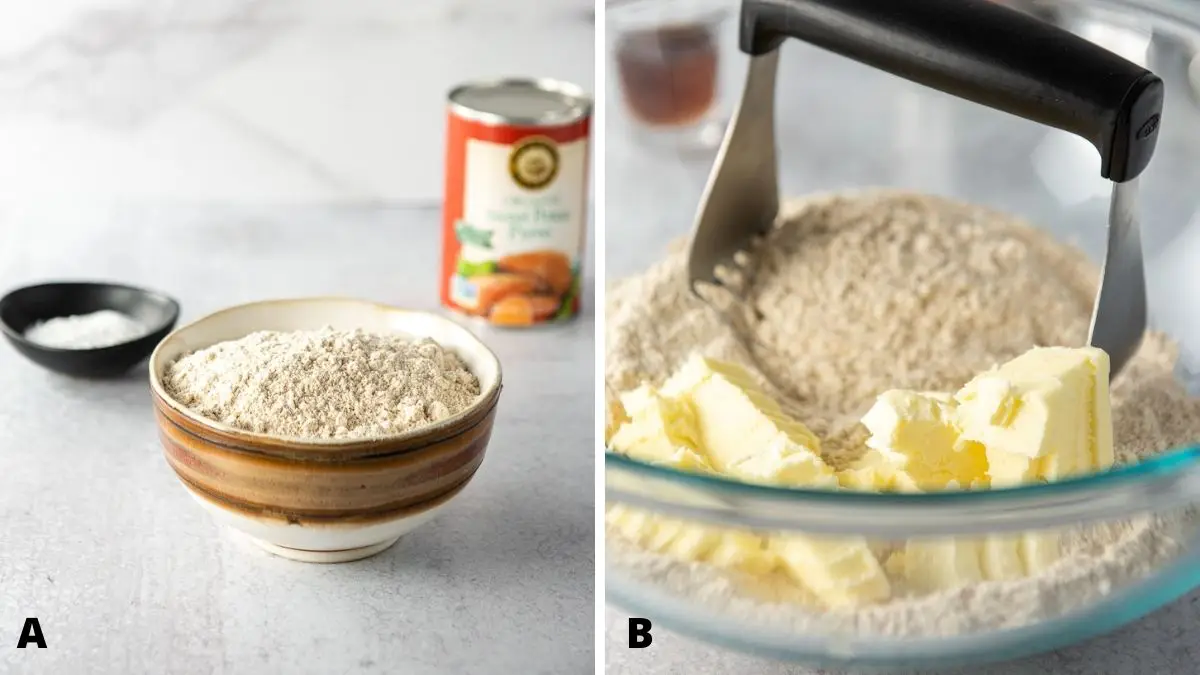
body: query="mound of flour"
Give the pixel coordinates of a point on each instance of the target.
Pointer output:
(857, 293)
(323, 384)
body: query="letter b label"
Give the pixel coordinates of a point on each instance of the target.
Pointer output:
(639, 633)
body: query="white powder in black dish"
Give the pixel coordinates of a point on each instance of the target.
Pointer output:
(104, 328)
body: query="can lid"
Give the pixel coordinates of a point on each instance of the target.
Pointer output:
(532, 102)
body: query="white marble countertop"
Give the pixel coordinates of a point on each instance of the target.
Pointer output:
(257, 101)
(127, 575)
(841, 125)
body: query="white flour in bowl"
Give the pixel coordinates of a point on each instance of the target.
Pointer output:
(862, 292)
(323, 384)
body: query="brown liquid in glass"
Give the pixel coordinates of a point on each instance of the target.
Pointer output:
(668, 74)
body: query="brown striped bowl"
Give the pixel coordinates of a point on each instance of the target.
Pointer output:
(323, 501)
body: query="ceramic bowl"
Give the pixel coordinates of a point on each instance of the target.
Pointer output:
(316, 500)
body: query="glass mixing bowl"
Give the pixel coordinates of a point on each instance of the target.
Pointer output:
(843, 125)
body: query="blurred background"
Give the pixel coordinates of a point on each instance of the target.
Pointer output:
(841, 125)
(256, 101)
(155, 123)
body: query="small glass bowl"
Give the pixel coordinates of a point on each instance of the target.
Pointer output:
(866, 128)
(668, 65)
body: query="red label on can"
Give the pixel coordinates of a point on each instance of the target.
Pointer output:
(514, 219)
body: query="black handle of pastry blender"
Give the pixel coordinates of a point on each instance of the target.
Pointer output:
(984, 52)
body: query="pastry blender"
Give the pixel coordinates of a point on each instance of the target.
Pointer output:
(975, 49)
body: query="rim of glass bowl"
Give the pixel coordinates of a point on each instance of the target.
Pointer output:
(1167, 481)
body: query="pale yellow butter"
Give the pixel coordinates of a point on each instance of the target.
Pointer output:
(743, 431)
(1001, 557)
(663, 430)
(1042, 416)
(908, 425)
(711, 415)
(1040, 550)
(938, 564)
(732, 549)
(840, 571)
(635, 525)
(743, 550)
(783, 462)
(659, 429)
(1009, 470)
(1049, 406)
(917, 444)
(873, 472)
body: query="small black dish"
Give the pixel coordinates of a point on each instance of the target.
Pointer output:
(26, 306)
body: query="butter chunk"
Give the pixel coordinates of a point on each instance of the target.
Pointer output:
(939, 564)
(723, 547)
(662, 430)
(910, 424)
(1001, 557)
(687, 460)
(1050, 406)
(915, 434)
(739, 425)
(1040, 550)
(841, 571)
(1006, 469)
(744, 551)
(785, 463)
(633, 524)
(873, 472)
(659, 430)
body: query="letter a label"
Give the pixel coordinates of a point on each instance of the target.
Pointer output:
(31, 634)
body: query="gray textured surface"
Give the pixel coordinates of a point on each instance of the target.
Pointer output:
(842, 125)
(128, 575)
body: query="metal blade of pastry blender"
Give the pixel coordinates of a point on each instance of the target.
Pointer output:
(980, 51)
(741, 198)
(1119, 315)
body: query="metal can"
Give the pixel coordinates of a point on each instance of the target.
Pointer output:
(515, 212)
